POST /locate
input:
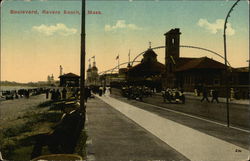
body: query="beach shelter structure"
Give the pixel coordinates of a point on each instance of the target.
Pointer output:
(69, 80)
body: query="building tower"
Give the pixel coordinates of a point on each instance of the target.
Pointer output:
(61, 70)
(89, 72)
(172, 50)
(129, 64)
(94, 74)
(172, 54)
(48, 79)
(52, 78)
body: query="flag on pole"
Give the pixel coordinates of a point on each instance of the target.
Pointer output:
(93, 57)
(117, 57)
(129, 56)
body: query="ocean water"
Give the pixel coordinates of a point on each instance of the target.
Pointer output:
(11, 88)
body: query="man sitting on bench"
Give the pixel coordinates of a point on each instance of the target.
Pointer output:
(65, 135)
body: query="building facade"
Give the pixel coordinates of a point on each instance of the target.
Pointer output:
(92, 75)
(148, 72)
(198, 73)
(69, 80)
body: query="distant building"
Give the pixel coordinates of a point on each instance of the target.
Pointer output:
(240, 82)
(148, 72)
(50, 79)
(108, 78)
(196, 73)
(69, 80)
(180, 72)
(92, 75)
(189, 73)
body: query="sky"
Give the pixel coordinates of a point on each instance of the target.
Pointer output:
(35, 44)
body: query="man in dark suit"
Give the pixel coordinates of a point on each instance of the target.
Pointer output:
(205, 94)
(215, 95)
(65, 134)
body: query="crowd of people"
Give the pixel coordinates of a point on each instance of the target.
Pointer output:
(173, 95)
(22, 93)
(66, 93)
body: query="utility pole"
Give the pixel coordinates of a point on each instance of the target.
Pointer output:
(225, 57)
(82, 61)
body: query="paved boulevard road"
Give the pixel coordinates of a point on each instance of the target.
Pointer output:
(196, 139)
(237, 137)
(239, 114)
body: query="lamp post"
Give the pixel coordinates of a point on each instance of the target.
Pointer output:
(225, 57)
(82, 61)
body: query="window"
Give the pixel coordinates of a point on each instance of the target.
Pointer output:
(173, 41)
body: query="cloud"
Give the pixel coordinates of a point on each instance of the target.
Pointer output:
(35, 0)
(121, 24)
(59, 28)
(215, 27)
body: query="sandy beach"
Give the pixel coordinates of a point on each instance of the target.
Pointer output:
(20, 120)
(12, 109)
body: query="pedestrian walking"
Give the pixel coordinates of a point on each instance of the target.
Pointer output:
(58, 95)
(87, 93)
(204, 93)
(64, 93)
(231, 94)
(104, 90)
(47, 93)
(53, 95)
(215, 95)
(100, 91)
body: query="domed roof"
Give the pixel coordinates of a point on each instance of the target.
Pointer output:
(94, 68)
(150, 52)
(149, 55)
(89, 69)
(69, 75)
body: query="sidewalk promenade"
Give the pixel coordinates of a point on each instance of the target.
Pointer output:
(115, 137)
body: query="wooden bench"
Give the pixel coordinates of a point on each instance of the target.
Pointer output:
(64, 137)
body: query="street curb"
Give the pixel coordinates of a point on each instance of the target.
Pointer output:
(89, 146)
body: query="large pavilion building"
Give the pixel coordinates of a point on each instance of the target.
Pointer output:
(148, 72)
(69, 80)
(197, 73)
